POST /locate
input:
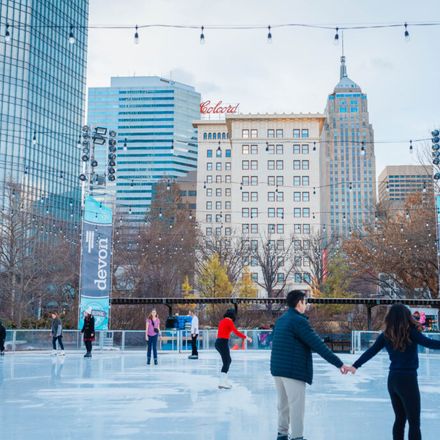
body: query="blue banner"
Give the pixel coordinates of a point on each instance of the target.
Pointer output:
(96, 273)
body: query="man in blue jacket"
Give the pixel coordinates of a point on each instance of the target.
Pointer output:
(291, 364)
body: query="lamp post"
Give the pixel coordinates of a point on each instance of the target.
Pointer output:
(436, 174)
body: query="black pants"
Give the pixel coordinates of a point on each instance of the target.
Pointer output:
(88, 345)
(152, 345)
(222, 346)
(405, 398)
(194, 345)
(60, 341)
(2, 345)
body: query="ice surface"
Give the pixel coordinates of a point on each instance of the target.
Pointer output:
(116, 396)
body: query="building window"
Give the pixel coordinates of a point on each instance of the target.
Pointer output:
(254, 180)
(254, 133)
(271, 212)
(218, 192)
(280, 181)
(244, 164)
(306, 229)
(245, 228)
(208, 153)
(271, 228)
(245, 134)
(208, 218)
(297, 212)
(209, 179)
(218, 218)
(279, 149)
(218, 153)
(279, 133)
(254, 149)
(296, 149)
(296, 164)
(254, 212)
(208, 166)
(254, 197)
(296, 180)
(218, 179)
(280, 213)
(218, 231)
(280, 277)
(306, 212)
(280, 164)
(228, 231)
(209, 135)
(209, 192)
(254, 276)
(298, 278)
(228, 152)
(271, 180)
(228, 192)
(280, 196)
(305, 133)
(254, 165)
(297, 227)
(245, 212)
(254, 228)
(280, 245)
(305, 149)
(305, 165)
(228, 166)
(245, 196)
(296, 196)
(228, 178)
(208, 205)
(305, 180)
(280, 229)
(306, 196)
(218, 205)
(270, 133)
(218, 166)
(205, 135)
(228, 204)
(270, 164)
(271, 196)
(296, 133)
(228, 218)
(245, 149)
(270, 148)
(208, 231)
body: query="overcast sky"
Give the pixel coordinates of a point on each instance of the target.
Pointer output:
(297, 71)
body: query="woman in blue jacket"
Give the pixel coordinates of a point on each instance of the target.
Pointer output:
(401, 338)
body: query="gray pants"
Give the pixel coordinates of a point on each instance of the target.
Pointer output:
(291, 397)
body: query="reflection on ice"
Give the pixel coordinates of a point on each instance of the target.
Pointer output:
(116, 396)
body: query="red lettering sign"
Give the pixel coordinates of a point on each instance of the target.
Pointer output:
(207, 108)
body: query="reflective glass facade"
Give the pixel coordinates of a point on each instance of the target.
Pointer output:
(42, 94)
(156, 139)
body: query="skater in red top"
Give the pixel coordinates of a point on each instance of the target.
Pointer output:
(225, 328)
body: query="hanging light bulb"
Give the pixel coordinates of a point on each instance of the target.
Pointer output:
(406, 33)
(314, 190)
(363, 149)
(336, 39)
(7, 34)
(219, 149)
(71, 36)
(411, 147)
(136, 35)
(34, 138)
(125, 148)
(424, 187)
(269, 35)
(350, 186)
(388, 187)
(314, 145)
(79, 145)
(202, 35)
(267, 146)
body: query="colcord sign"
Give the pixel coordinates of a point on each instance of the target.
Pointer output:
(96, 245)
(209, 108)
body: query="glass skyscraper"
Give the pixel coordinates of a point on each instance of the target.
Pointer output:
(153, 119)
(348, 164)
(43, 51)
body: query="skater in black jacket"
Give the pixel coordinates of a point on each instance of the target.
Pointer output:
(88, 331)
(401, 339)
(2, 339)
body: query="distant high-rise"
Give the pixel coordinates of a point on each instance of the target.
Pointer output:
(156, 140)
(397, 182)
(42, 94)
(348, 191)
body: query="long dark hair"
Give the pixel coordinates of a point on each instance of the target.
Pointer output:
(230, 313)
(398, 325)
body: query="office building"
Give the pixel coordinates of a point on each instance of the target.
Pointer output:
(42, 94)
(156, 140)
(257, 179)
(397, 182)
(348, 189)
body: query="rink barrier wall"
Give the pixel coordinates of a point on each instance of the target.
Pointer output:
(361, 340)
(170, 340)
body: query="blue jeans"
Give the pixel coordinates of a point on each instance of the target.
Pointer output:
(152, 344)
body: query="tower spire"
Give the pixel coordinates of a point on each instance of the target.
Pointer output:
(343, 68)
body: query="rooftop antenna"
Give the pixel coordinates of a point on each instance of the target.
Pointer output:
(343, 71)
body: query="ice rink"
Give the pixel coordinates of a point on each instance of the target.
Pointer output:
(116, 396)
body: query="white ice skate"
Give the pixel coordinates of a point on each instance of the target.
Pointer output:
(54, 352)
(62, 353)
(224, 383)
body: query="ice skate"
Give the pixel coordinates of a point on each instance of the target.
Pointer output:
(193, 356)
(54, 353)
(224, 383)
(282, 437)
(62, 353)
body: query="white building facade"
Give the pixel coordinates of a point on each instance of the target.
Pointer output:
(258, 180)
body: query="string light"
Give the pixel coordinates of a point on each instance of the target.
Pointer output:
(406, 33)
(363, 148)
(411, 147)
(34, 138)
(336, 39)
(71, 36)
(269, 35)
(202, 35)
(136, 35)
